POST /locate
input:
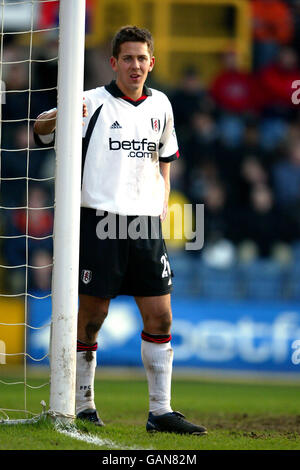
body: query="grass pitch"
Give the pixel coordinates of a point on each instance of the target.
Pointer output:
(239, 416)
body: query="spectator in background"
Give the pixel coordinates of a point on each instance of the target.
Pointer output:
(205, 155)
(233, 90)
(235, 96)
(252, 174)
(187, 99)
(295, 9)
(250, 144)
(277, 108)
(286, 177)
(44, 76)
(286, 180)
(262, 223)
(220, 225)
(205, 173)
(16, 77)
(40, 278)
(272, 28)
(36, 222)
(20, 163)
(202, 142)
(97, 71)
(276, 81)
(293, 132)
(200, 155)
(16, 104)
(231, 159)
(217, 216)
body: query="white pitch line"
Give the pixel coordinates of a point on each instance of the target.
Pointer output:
(90, 439)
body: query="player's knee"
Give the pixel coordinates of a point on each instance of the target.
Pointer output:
(92, 315)
(93, 309)
(91, 330)
(96, 317)
(163, 322)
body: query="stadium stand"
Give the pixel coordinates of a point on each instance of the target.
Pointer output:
(239, 156)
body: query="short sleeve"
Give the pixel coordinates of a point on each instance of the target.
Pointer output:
(168, 143)
(91, 105)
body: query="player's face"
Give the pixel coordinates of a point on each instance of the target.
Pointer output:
(132, 67)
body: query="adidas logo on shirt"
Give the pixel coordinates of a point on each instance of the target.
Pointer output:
(116, 125)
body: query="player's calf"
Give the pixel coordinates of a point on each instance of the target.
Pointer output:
(85, 376)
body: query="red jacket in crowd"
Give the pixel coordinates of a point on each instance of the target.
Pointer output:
(235, 91)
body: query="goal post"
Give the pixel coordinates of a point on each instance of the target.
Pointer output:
(67, 209)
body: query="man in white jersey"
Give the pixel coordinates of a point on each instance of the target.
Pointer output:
(128, 143)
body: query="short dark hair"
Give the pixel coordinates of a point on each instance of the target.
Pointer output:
(132, 34)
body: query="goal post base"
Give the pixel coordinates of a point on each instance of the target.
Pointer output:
(51, 416)
(14, 422)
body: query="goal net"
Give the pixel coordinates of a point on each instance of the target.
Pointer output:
(41, 67)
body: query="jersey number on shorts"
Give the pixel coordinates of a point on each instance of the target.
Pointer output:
(166, 266)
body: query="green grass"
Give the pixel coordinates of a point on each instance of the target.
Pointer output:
(239, 416)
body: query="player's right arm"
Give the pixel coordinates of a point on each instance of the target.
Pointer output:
(46, 122)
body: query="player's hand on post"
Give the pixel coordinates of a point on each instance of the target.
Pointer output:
(45, 122)
(84, 111)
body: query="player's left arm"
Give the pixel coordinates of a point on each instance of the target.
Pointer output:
(167, 153)
(165, 172)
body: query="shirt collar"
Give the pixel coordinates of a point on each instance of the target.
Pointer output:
(115, 91)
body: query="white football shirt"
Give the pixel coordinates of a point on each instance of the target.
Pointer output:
(123, 143)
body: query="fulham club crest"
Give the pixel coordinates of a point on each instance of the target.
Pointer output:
(86, 276)
(155, 123)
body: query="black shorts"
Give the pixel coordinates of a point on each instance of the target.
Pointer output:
(123, 265)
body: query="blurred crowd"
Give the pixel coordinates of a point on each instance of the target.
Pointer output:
(239, 139)
(27, 172)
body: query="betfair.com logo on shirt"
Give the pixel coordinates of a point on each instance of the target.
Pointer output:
(139, 149)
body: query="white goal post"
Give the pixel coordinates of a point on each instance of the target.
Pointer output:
(67, 209)
(68, 145)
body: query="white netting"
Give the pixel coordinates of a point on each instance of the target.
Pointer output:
(28, 56)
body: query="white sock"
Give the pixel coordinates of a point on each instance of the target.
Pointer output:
(85, 375)
(158, 359)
